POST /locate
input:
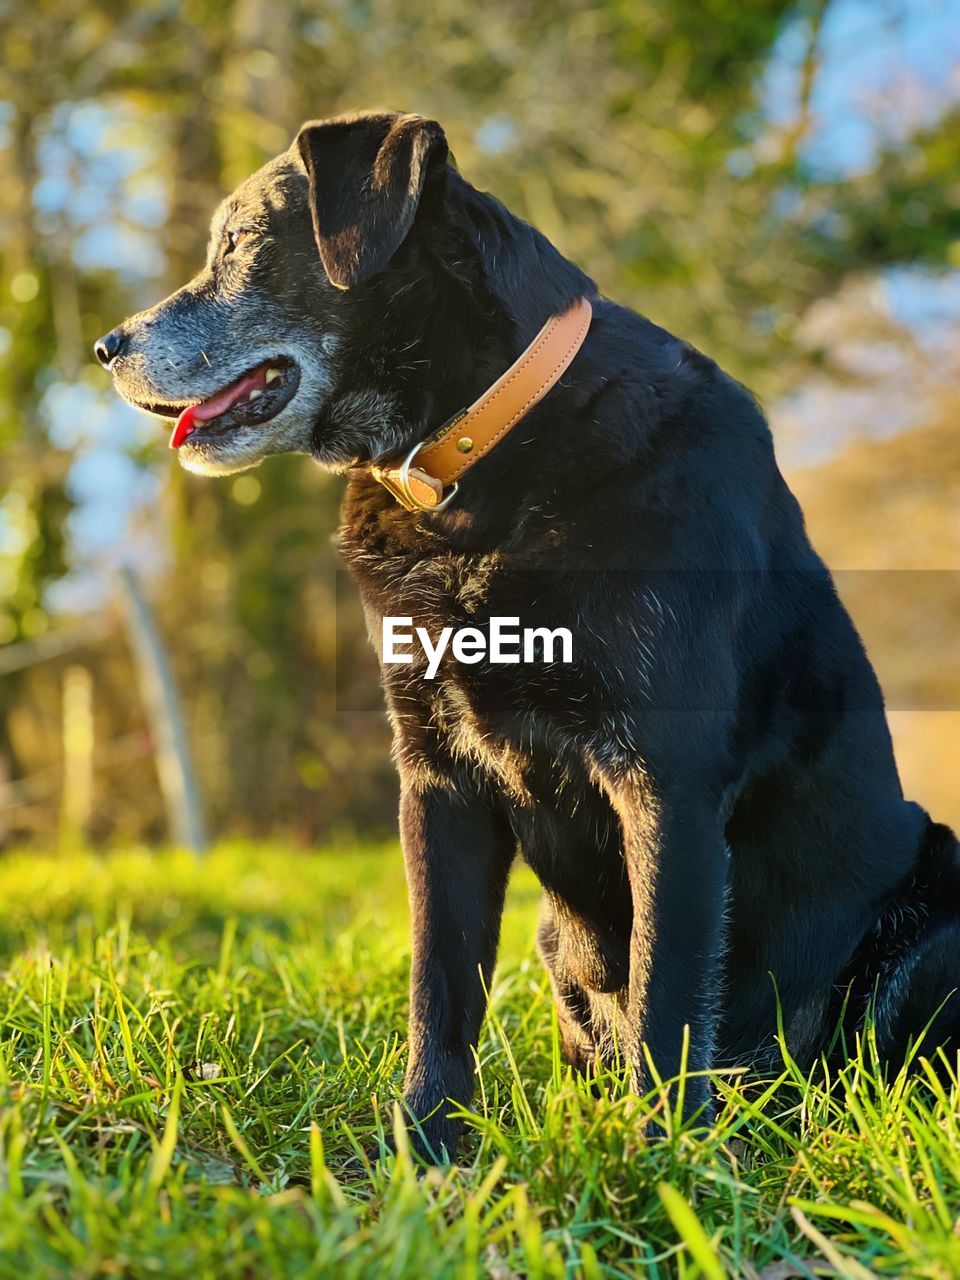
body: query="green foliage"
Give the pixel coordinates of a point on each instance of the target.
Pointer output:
(197, 1059)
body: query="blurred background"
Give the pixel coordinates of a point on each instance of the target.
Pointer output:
(777, 182)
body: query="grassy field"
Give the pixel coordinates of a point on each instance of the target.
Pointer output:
(197, 1056)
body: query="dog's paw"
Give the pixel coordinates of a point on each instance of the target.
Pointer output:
(431, 1141)
(428, 1145)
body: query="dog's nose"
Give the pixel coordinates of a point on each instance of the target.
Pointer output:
(109, 347)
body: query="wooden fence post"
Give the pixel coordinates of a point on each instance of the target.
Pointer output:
(161, 699)
(77, 796)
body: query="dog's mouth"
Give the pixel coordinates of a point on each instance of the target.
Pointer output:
(254, 398)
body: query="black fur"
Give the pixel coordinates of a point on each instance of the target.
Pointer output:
(708, 793)
(904, 972)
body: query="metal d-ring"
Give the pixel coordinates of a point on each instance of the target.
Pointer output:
(403, 481)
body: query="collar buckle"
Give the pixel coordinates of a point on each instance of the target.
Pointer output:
(413, 487)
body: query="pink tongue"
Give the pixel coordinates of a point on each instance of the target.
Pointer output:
(185, 424)
(213, 407)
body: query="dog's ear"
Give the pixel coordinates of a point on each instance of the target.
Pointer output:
(366, 177)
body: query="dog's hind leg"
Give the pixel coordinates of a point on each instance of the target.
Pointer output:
(920, 1001)
(917, 989)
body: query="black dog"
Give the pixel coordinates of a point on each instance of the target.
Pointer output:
(707, 792)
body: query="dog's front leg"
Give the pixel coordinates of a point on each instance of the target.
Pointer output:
(458, 852)
(676, 861)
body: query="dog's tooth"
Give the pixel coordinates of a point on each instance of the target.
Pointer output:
(272, 375)
(254, 393)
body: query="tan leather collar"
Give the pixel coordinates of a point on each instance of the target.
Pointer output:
(471, 433)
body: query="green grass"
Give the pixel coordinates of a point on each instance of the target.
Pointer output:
(196, 1056)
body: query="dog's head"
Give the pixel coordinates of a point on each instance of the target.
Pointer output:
(250, 345)
(332, 276)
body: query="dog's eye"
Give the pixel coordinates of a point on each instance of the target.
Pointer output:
(236, 238)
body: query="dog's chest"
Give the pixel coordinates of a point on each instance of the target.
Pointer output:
(510, 719)
(435, 593)
(471, 707)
